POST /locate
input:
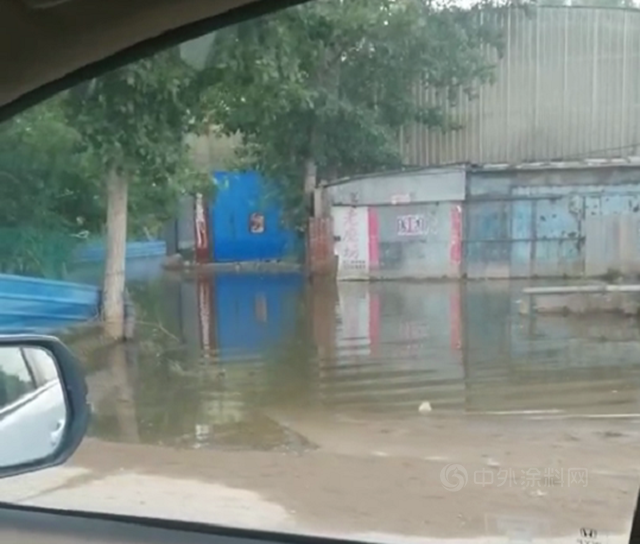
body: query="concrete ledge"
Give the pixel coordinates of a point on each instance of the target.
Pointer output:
(581, 303)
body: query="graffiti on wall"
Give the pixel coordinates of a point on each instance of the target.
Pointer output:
(351, 248)
(417, 225)
(354, 238)
(411, 225)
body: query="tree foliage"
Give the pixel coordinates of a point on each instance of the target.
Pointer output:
(330, 83)
(135, 120)
(327, 86)
(44, 173)
(47, 192)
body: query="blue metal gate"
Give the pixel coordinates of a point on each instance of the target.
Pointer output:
(246, 223)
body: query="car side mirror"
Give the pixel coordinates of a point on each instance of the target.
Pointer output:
(44, 412)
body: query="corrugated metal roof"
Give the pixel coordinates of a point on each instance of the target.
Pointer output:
(580, 164)
(422, 170)
(566, 87)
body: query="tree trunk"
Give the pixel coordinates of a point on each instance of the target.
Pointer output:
(310, 174)
(113, 294)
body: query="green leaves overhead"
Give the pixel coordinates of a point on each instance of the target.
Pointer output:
(333, 81)
(329, 83)
(135, 119)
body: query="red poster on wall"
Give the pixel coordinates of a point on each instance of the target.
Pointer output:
(201, 225)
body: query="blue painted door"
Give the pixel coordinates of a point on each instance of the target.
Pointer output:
(522, 238)
(487, 241)
(247, 223)
(558, 242)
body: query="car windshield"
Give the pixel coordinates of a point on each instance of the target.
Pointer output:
(357, 268)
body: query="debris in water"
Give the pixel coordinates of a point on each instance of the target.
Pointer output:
(425, 408)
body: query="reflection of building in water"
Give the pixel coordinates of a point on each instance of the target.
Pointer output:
(233, 316)
(465, 346)
(545, 362)
(396, 346)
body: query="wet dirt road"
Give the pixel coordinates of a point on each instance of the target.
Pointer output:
(428, 411)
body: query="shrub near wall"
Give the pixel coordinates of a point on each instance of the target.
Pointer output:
(36, 252)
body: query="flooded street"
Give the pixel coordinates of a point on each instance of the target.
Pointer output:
(364, 409)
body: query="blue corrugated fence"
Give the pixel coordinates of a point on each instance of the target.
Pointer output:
(96, 251)
(39, 305)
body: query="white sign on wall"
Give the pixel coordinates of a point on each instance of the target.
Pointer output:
(351, 230)
(411, 225)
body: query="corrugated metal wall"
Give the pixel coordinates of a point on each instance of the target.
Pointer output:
(567, 86)
(546, 224)
(612, 243)
(39, 305)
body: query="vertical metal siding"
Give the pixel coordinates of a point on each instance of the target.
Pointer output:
(529, 224)
(487, 243)
(567, 86)
(39, 305)
(557, 223)
(612, 244)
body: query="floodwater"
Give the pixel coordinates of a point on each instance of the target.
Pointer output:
(225, 350)
(357, 409)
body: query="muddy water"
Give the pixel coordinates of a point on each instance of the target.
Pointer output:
(356, 409)
(223, 351)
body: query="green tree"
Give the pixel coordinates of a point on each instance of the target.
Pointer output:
(134, 121)
(47, 191)
(322, 90)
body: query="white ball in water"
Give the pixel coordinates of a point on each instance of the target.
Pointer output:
(425, 408)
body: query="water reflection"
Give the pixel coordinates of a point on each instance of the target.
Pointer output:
(217, 356)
